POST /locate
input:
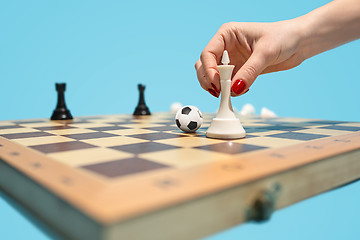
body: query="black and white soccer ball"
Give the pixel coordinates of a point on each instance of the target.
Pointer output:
(188, 118)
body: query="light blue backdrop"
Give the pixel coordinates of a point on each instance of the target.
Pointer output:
(102, 49)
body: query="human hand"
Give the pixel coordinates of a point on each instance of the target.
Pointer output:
(254, 49)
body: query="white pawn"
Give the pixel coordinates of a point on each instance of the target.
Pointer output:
(175, 107)
(247, 110)
(267, 113)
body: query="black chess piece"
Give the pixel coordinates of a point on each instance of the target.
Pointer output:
(61, 112)
(141, 108)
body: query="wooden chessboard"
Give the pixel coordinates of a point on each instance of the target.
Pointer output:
(121, 177)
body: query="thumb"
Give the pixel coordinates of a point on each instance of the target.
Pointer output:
(247, 74)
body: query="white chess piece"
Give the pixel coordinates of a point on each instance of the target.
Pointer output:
(225, 125)
(267, 113)
(247, 110)
(175, 107)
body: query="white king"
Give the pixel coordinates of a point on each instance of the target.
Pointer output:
(225, 125)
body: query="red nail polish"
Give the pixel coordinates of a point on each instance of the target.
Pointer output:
(238, 87)
(246, 91)
(212, 92)
(215, 88)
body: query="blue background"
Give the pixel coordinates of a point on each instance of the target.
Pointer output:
(102, 49)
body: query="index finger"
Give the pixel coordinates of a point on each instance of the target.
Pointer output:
(211, 57)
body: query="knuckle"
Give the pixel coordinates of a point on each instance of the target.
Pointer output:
(250, 71)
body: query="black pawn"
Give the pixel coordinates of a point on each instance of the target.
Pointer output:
(61, 112)
(141, 108)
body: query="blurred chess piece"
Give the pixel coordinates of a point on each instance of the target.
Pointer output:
(267, 113)
(247, 110)
(175, 107)
(141, 108)
(61, 112)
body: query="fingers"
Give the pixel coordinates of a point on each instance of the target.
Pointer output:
(247, 74)
(206, 67)
(204, 82)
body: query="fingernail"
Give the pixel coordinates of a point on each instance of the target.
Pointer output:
(212, 92)
(238, 87)
(215, 88)
(246, 91)
(216, 77)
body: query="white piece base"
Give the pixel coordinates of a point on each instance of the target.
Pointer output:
(225, 129)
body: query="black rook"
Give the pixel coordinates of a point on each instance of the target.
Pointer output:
(61, 112)
(141, 108)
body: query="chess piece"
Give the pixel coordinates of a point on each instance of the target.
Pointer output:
(61, 112)
(225, 125)
(141, 108)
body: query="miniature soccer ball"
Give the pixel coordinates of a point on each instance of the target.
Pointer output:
(189, 118)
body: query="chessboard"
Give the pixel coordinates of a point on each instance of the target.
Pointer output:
(140, 177)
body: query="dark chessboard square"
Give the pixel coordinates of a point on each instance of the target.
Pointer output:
(124, 167)
(155, 136)
(342, 128)
(10, 127)
(163, 128)
(61, 147)
(298, 136)
(91, 135)
(230, 147)
(117, 122)
(282, 128)
(30, 121)
(146, 147)
(77, 121)
(324, 122)
(109, 128)
(26, 135)
(58, 127)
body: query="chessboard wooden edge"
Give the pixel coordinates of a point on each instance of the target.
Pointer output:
(102, 202)
(192, 219)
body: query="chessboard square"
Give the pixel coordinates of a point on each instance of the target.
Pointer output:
(163, 128)
(90, 125)
(350, 124)
(42, 140)
(145, 147)
(94, 155)
(17, 130)
(7, 123)
(282, 128)
(156, 136)
(261, 134)
(9, 127)
(61, 147)
(141, 125)
(42, 124)
(82, 136)
(229, 147)
(180, 158)
(189, 141)
(70, 131)
(57, 127)
(103, 129)
(298, 136)
(323, 131)
(268, 141)
(123, 167)
(31, 121)
(319, 122)
(113, 141)
(343, 128)
(129, 132)
(25, 135)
